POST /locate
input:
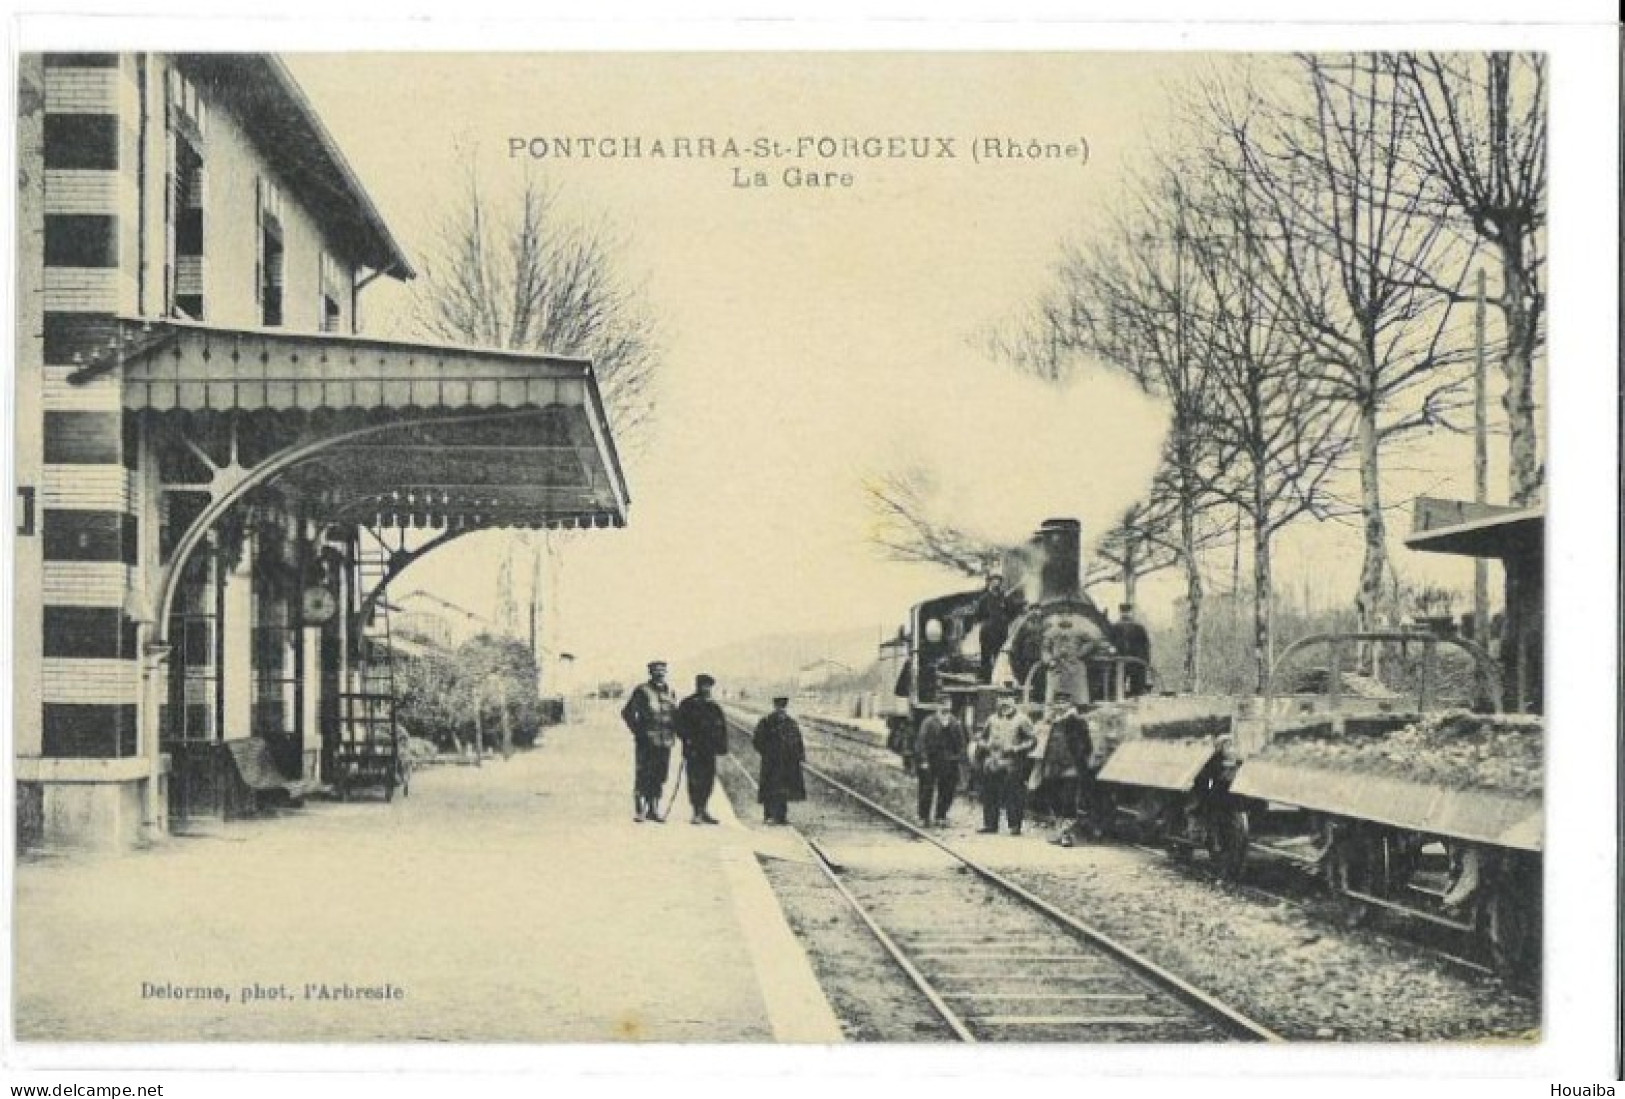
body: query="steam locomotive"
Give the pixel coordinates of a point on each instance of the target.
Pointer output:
(1426, 805)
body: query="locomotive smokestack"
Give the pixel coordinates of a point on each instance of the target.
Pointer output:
(1058, 543)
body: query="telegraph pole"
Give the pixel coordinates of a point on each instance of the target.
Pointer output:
(1481, 480)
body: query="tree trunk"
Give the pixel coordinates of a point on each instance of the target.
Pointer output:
(1193, 596)
(1517, 363)
(1131, 571)
(1263, 597)
(1193, 626)
(1374, 568)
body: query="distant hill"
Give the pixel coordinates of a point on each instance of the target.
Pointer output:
(774, 660)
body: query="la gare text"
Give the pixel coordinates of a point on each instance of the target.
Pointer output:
(795, 178)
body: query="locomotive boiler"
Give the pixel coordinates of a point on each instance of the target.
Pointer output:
(1062, 643)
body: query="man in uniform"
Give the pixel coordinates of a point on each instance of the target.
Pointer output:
(1007, 741)
(1078, 747)
(648, 712)
(699, 724)
(941, 751)
(1130, 639)
(778, 741)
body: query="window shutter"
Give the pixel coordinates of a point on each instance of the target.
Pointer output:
(259, 242)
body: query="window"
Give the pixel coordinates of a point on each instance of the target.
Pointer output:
(332, 279)
(192, 713)
(277, 659)
(183, 201)
(270, 266)
(186, 271)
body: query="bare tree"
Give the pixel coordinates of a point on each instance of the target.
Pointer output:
(1128, 297)
(1144, 541)
(905, 528)
(512, 271)
(1372, 288)
(1278, 432)
(1482, 144)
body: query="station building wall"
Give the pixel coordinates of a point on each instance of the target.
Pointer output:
(97, 164)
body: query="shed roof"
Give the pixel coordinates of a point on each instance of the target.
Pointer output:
(1476, 530)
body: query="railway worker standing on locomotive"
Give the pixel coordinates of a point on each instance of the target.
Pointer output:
(699, 724)
(649, 713)
(1130, 639)
(778, 741)
(1007, 741)
(941, 751)
(995, 610)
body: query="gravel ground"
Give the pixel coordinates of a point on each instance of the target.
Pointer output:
(1288, 966)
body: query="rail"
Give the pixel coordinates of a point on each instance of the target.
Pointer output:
(1225, 1018)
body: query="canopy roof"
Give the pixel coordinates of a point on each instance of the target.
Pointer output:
(389, 433)
(1476, 530)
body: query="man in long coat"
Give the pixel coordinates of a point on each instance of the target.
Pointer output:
(649, 713)
(778, 741)
(704, 733)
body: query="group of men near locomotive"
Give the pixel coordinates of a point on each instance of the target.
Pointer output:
(658, 720)
(1008, 758)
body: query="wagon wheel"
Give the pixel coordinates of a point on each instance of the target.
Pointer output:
(1345, 870)
(1227, 841)
(1511, 927)
(1102, 813)
(1171, 828)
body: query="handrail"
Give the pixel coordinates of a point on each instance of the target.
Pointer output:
(1430, 642)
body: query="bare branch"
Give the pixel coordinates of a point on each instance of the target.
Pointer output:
(512, 272)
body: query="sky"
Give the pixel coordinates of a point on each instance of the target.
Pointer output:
(812, 337)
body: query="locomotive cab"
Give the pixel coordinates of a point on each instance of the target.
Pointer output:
(934, 656)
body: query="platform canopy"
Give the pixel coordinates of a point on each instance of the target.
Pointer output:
(386, 432)
(1475, 530)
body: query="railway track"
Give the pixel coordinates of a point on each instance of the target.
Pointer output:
(1410, 938)
(995, 962)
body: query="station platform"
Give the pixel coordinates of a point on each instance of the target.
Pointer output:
(512, 902)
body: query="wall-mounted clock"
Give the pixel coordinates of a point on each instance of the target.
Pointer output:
(318, 605)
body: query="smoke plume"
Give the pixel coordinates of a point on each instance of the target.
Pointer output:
(1001, 451)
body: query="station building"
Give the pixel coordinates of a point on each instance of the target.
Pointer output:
(216, 471)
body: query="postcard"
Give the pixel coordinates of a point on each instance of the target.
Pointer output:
(1042, 544)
